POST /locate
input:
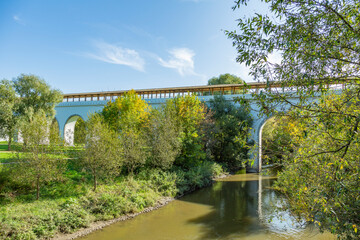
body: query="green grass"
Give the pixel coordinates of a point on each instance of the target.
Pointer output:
(5, 155)
(10, 156)
(70, 204)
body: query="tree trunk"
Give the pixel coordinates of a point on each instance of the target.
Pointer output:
(95, 183)
(37, 187)
(9, 142)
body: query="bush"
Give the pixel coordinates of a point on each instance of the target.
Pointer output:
(197, 177)
(228, 140)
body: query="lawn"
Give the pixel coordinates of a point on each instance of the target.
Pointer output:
(5, 155)
(9, 156)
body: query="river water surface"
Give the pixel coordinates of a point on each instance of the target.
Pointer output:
(237, 207)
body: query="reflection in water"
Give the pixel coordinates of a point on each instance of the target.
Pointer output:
(238, 207)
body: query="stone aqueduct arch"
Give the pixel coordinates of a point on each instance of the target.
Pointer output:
(69, 129)
(67, 113)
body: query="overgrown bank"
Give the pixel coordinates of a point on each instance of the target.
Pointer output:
(43, 219)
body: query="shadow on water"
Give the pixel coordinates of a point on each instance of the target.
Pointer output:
(242, 206)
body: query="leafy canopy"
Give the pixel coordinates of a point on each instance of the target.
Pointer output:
(8, 104)
(319, 44)
(231, 133)
(128, 111)
(225, 79)
(35, 93)
(318, 41)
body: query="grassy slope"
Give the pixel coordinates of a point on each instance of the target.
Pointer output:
(70, 203)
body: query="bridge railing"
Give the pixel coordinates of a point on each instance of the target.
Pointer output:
(208, 90)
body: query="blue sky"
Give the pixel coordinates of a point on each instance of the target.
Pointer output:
(87, 45)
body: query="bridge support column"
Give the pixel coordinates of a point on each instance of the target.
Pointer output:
(256, 136)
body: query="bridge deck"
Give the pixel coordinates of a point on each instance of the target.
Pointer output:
(179, 91)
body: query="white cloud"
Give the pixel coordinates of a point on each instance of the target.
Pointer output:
(115, 54)
(181, 59)
(17, 19)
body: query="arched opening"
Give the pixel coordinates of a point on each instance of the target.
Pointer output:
(69, 129)
(275, 141)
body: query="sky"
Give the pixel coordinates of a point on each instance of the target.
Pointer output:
(107, 45)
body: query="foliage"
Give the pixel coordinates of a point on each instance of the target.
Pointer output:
(45, 218)
(37, 165)
(25, 94)
(197, 177)
(36, 94)
(164, 137)
(280, 139)
(225, 79)
(126, 112)
(129, 116)
(103, 152)
(54, 133)
(189, 113)
(8, 105)
(319, 43)
(322, 181)
(79, 132)
(228, 144)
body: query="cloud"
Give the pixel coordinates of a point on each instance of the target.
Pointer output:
(112, 53)
(181, 59)
(17, 19)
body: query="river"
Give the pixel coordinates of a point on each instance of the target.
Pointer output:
(237, 207)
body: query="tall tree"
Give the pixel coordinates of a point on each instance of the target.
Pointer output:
(79, 132)
(38, 163)
(189, 114)
(319, 44)
(225, 79)
(36, 94)
(8, 106)
(164, 136)
(103, 151)
(129, 117)
(232, 132)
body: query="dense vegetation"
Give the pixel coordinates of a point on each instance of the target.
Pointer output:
(129, 157)
(225, 79)
(319, 45)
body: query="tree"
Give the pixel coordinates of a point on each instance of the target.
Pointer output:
(164, 136)
(280, 139)
(25, 94)
(319, 45)
(232, 132)
(8, 105)
(79, 132)
(129, 117)
(36, 94)
(322, 180)
(37, 164)
(317, 40)
(103, 152)
(128, 111)
(189, 114)
(225, 79)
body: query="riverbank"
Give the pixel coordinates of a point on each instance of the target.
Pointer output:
(101, 224)
(83, 211)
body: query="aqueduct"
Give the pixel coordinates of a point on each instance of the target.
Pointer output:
(80, 105)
